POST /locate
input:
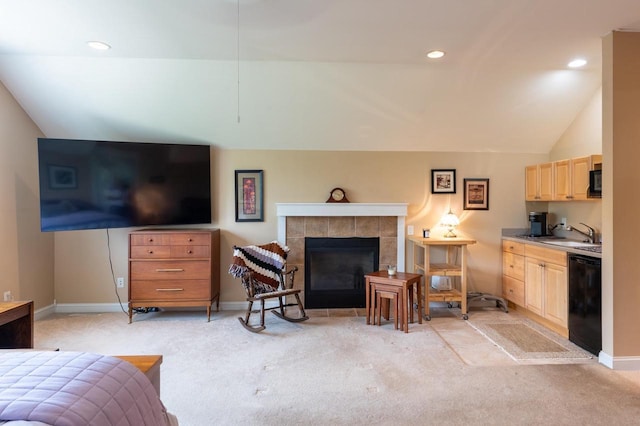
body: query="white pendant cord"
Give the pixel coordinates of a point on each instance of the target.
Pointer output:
(238, 57)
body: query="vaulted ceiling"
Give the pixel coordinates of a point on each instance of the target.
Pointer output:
(309, 74)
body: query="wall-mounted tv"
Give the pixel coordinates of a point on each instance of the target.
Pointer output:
(87, 184)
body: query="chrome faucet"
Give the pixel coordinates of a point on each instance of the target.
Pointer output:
(590, 234)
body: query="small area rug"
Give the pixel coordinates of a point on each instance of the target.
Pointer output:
(525, 340)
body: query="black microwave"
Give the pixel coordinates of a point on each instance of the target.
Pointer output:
(595, 184)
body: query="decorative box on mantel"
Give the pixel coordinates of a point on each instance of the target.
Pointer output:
(333, 220)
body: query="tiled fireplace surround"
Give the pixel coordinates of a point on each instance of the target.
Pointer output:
(338, 220)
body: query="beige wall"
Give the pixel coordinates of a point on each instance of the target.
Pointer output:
(583, 137)
(26, 255)
(621, 206)
(82, 265)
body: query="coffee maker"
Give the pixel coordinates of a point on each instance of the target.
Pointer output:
(537, 224)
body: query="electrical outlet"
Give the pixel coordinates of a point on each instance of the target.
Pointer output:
(120, 282)
(410, 230)
(7, 296)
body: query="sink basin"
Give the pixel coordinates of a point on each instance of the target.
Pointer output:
(566, 243)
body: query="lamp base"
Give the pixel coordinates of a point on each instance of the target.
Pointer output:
(450, 234)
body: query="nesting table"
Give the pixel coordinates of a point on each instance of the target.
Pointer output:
(406, 282)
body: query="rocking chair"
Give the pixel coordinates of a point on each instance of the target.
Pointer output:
(262, 273)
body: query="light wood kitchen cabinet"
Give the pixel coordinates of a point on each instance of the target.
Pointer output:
(513, 272)
(546, 286)
(539, 182)
(571, 177)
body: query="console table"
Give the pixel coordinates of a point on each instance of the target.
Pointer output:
(454, 265)
(16, 325)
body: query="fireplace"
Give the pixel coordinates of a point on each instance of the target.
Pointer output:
(335, 268)
(298, 221)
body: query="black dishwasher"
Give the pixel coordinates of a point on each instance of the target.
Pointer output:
(585, 302)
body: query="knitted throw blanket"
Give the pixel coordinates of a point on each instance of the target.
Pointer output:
(266, 263)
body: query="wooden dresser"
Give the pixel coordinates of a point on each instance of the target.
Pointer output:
(174, 268)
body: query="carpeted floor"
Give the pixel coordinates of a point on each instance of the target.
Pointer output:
(340, 371)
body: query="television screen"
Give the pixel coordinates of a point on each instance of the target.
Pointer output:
(88, 184)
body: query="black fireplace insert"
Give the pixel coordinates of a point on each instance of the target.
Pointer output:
(335, 269)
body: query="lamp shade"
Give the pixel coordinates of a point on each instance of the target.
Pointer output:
(450, 221)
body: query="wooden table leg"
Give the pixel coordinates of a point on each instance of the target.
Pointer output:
(367, 302)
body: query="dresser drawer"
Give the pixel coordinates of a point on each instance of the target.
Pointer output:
(190, 251)
(144, 239)
(513, 290)
(150, 252)
(513, 265)
(167, 252)
(170, 290)
(169, 270)
(167, 239)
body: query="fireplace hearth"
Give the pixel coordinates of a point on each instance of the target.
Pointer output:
(335, 269)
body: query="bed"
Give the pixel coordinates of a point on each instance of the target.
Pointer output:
(76, 388)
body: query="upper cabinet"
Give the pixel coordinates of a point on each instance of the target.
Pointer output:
(564, 180)
(539, 182)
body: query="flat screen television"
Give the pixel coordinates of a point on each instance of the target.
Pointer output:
(87, 184)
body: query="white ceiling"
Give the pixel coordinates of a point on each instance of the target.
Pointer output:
(309, 74)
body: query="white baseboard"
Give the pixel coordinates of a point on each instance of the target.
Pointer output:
(626, 363)
(96, 308)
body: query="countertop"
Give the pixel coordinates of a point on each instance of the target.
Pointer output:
(593, 250)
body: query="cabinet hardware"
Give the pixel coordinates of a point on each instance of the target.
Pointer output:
(169, 289)
(170, 270)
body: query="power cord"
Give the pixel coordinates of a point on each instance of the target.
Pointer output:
(113, 275)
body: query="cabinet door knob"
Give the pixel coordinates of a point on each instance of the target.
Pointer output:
(190, 239)
(189, 251)
(150, 240)
(150, 251)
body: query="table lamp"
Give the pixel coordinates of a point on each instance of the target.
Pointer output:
(450, 221)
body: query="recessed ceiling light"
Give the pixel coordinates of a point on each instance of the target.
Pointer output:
(435, 54)
(577, 63)
(98, 45)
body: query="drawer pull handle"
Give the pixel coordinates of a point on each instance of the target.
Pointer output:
(170, 270)
(169, 289)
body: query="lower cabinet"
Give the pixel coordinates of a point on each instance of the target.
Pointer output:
(544, 281)
(513, 272)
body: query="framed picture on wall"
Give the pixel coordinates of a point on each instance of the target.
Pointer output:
(476, 194)
(443, 181)
(249, 196)
(62, 177)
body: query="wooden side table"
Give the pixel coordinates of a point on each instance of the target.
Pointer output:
(16, 325)
(450, 268)
(148, 364)
(400, 279)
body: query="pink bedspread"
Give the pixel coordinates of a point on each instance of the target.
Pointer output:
(76, 388)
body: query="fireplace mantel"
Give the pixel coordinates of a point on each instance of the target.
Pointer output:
(398, 210)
